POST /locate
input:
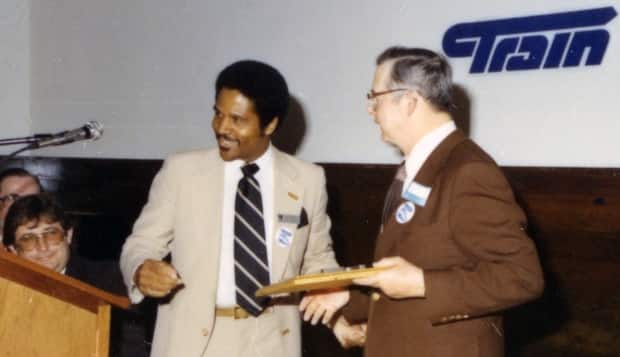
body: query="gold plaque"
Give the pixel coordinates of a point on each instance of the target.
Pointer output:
(320, 281)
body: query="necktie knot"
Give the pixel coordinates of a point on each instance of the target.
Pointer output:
(401, 173)
(249, 170)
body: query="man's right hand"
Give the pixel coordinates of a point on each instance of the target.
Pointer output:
(323, 305)
(156, 278)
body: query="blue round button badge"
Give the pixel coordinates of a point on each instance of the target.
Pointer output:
(405, 212)
(284, 237)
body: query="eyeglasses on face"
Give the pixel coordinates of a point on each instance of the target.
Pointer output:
(51, 236)
(11, 197)
(372, 94)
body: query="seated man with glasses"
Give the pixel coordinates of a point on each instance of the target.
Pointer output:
(36, 228)
(15, 182)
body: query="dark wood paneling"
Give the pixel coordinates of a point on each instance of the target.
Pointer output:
(574, 218)
(355, 204)
(573, 213)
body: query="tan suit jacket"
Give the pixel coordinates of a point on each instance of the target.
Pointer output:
(470, 240)
(183, 217)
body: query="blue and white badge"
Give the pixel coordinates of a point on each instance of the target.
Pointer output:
(284, 237)
(417, 193)
(405, 212)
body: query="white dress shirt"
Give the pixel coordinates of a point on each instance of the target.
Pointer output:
(423, 149)
(232, 175)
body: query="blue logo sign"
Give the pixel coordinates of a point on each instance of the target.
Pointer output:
(532, 42)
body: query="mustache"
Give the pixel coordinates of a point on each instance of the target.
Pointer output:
(225, 137)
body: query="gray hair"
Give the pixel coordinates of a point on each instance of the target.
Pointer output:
(421, 70)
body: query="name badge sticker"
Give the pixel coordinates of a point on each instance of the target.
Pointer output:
(405, 212)
(417, 193)
(284, 237)
(288, 218)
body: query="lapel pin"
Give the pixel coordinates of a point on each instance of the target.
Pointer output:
(293, 196)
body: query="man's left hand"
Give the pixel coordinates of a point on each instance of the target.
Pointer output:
(323, 304)
(349, 335)
(400, 280)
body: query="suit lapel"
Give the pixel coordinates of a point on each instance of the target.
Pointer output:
(207, 213)
(434, 163)
(288, 197)
(426, 176)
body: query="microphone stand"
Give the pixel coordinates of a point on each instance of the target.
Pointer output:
(25, 140)
(32, 142)
(92, 130)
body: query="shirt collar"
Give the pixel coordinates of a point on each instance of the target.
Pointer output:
(263, 161)
(266, 158)
(423, 149)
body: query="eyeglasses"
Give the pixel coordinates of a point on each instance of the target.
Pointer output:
(28, 241)
(11, 197)
(372, 94)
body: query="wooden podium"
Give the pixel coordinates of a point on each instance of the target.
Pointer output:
(43, 313)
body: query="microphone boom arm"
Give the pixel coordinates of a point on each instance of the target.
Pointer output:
(25, 140)
(91, 131)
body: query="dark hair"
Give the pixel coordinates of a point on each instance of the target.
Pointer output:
(30, 208)
(261, 83)
(19, 172)
(423, 70)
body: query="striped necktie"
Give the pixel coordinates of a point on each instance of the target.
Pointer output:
(251, 267)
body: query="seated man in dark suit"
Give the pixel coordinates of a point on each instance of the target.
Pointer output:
(37, 229)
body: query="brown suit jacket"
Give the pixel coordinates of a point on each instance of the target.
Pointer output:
(470, 240)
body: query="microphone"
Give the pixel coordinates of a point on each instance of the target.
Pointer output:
(92, 131)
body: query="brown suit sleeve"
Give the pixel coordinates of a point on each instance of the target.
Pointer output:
(356, 311)
(488, 226)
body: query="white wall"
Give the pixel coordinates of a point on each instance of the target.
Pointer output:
(14, 69)
(145, 69)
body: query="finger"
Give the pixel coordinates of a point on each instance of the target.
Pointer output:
(305, 301)
(370, 281)
(327, 316)
(387, 262)
(310, 309)
(159, 282)
(156, 293)
(168, 274)
(353, 338)
(156, 285)
(314, 311)
(341, 341)
(361, 341)
(151, 291)
(317, 316)
(171, 273)
(167, 270)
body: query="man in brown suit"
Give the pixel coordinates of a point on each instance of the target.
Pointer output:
(452, 239)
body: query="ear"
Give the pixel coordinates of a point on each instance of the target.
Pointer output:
(411, 102)
(271, 127)
(69, 236)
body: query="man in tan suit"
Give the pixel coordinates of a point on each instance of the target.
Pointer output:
(453, 239)
(193, 213)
